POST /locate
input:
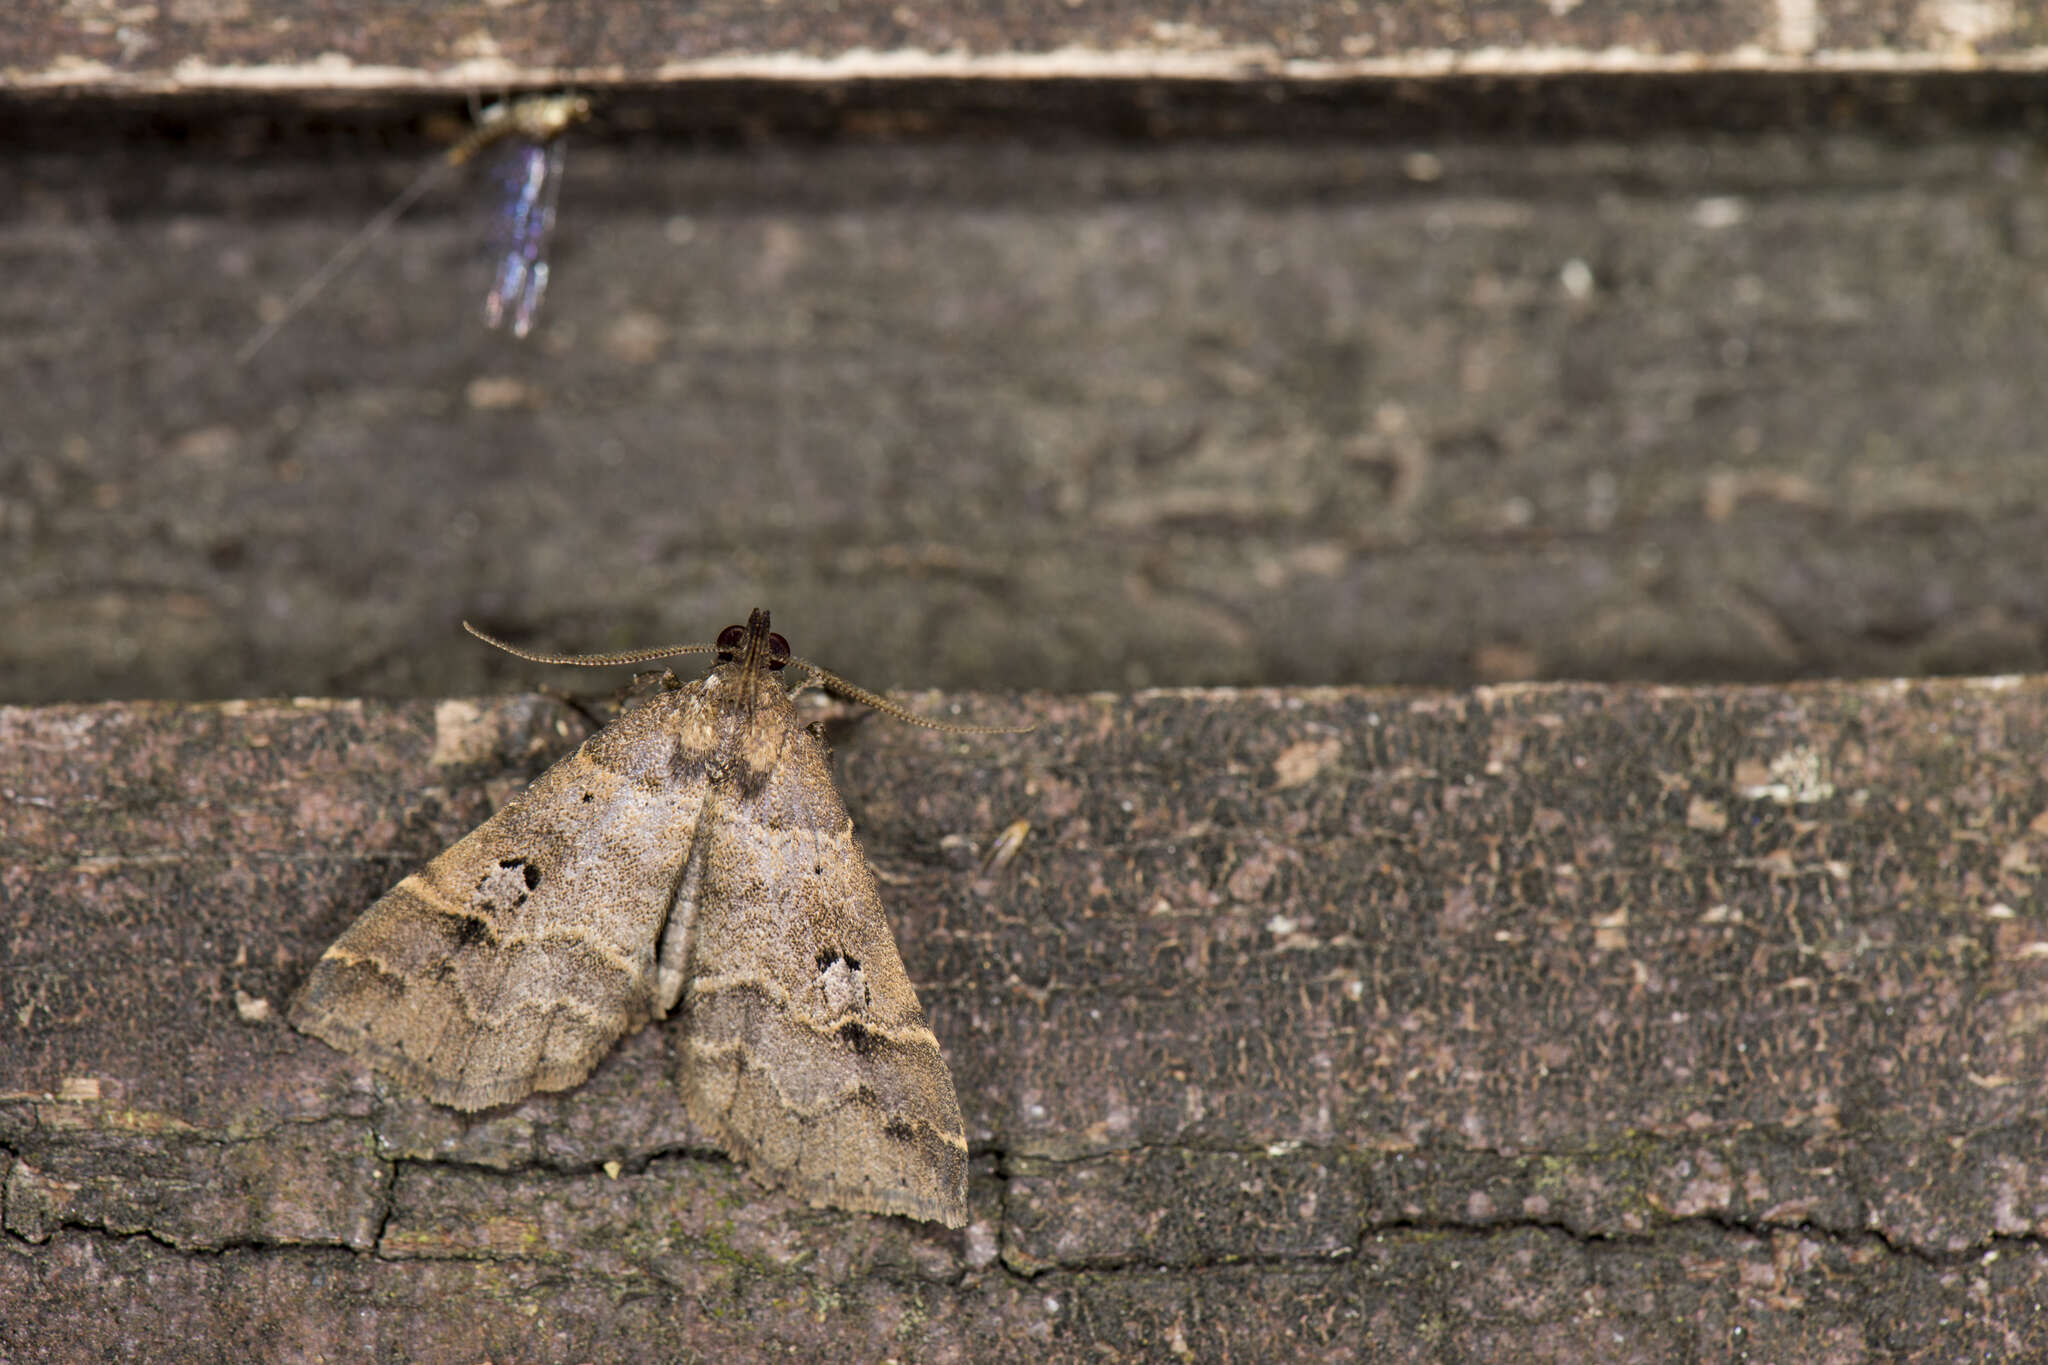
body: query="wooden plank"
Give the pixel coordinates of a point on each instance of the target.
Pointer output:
(1638, 1022)
(993, 413)
(203, 45)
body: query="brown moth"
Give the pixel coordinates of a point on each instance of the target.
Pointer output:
(692, 858)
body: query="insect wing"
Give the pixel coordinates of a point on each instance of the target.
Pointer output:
(537, 274)
(529, 176)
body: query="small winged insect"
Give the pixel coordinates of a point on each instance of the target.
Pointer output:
(521, 141)
(528, 169)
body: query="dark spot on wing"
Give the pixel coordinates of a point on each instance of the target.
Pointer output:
(526, 869)
(855, 1036)
(899, 1128)
(504, 888)
(470, 931)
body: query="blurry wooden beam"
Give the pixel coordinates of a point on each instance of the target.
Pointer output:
(267, 45)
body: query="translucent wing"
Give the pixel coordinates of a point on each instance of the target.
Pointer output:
(529, 175)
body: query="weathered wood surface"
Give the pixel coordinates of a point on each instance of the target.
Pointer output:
(1556, 1022)
(268, 44)
(1428, 409)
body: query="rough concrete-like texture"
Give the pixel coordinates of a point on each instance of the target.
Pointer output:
(1564, 1023)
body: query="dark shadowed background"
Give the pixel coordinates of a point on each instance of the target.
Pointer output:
(1099, 385)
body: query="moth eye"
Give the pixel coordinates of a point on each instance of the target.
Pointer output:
(729, 641)
(778, 650)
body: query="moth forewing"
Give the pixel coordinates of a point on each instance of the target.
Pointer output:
(515, 960)
(808, 1053)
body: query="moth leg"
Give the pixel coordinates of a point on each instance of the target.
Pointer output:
(653, 680)
(562, 696)
(603, 709)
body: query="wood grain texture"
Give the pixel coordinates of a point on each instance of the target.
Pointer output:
(1362, 1025)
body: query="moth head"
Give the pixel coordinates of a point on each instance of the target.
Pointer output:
(733, 642)
(740, 644)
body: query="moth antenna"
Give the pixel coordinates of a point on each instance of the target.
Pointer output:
(633, 656)
(343, 258)
(832, 682)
